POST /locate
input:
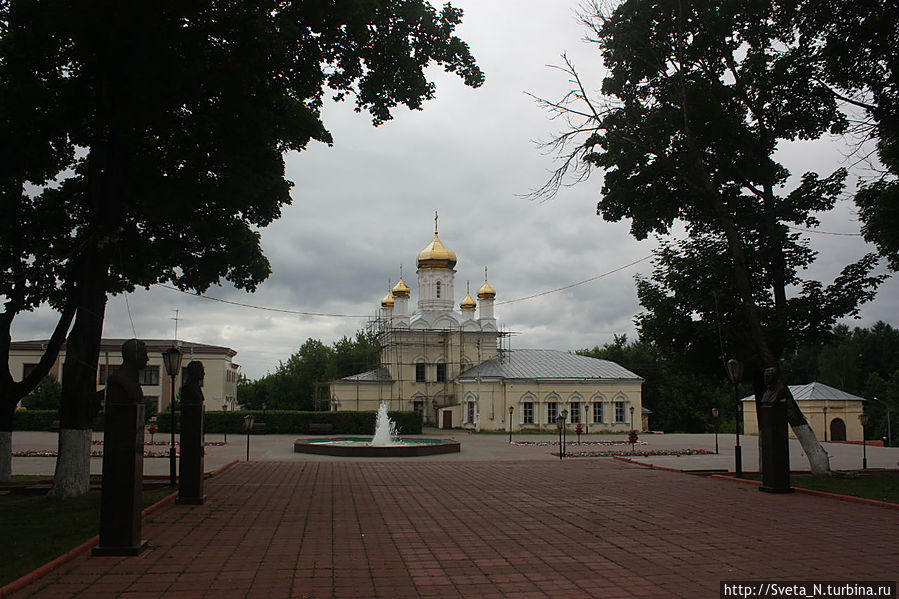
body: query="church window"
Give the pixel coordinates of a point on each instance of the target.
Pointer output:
(552, 410)
(597, 412)
(527, 412)
(471, 412)
(575, 412)
(619, 411)
(420, 373)
(441, 373)
(418, 406)
(438, 289)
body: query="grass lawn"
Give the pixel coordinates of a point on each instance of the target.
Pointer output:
(36, 530)
(869, 486)
(881, 487)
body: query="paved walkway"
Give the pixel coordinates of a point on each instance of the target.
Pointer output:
(329, 529)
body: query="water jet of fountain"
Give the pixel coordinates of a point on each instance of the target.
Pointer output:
(385, 429)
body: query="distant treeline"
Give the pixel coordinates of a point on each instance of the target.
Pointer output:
(860, 361)
(292, 385)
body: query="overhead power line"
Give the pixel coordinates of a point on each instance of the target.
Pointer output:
(333, 315)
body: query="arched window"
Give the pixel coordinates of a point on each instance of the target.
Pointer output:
(438, 289)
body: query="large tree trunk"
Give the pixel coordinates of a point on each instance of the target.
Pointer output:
(5, 456)
(818, 460)
(80, 402)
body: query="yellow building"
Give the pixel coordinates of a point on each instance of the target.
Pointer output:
(219, 386)
(451, 366)
(832, 414)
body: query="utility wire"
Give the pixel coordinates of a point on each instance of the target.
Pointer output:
(332, 315)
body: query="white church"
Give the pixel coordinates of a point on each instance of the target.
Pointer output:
(450, 366)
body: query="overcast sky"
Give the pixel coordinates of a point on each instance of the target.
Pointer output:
(366, 205)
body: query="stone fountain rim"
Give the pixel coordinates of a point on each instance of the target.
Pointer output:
(315, 446)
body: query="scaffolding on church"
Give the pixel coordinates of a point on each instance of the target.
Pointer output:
(405, 353)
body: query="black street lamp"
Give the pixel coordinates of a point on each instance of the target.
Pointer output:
(825, 422)
(564, 431)
(863, 418)
(225, 422)
(511, 409)
(171, 358)
(559, 421)
(735, 370)
(248, 425)
(715, 416)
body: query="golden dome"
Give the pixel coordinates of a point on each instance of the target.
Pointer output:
(387, 302)
(486, 291)
(468, 303)
(436, 255)
(401, 289)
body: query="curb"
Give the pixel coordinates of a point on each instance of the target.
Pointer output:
(27, 579)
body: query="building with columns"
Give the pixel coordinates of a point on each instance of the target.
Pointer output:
(450, 365)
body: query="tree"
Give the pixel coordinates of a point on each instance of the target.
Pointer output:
(35, 241)
(182, 114)
(293, 385)
(697, 99)
(855, 42)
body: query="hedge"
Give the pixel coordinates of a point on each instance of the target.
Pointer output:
(278, 422)
(42, 420)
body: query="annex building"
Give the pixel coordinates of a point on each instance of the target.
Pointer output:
(219, 385)
(450, 365)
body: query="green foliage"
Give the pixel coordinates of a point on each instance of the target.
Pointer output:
(863, 362)
(282, 422)
(42, 420)
(681, 393)
(45, 396)
(182, 114)
(856, 44)
(292, 385)
(697, 99)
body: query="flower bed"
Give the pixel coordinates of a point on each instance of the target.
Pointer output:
(97, 453)
(638, 453)
(572, 443)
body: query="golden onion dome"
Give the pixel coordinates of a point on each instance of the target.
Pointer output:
(401, 289)
(387, 302)
(436, 255)
(486, 291)
(468, 303)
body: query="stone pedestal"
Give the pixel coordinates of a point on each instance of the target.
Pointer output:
(190, 484)
(123, 473)
(775, 447)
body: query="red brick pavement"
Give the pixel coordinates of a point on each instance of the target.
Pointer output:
(407, 529)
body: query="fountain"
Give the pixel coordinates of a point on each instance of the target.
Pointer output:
(384, 443)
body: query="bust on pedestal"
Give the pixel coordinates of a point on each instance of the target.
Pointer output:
(123, 457)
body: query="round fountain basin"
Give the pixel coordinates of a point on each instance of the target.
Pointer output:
(362, 447)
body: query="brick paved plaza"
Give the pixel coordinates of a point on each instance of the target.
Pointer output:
(409, 529)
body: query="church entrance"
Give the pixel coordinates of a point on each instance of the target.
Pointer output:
(837, 430)
(447, 419)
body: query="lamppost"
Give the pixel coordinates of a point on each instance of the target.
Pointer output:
(715, 416)
(824, 409)
(889, 442)
(863, 418)
(559, 421)
(511, 409)
(735, 370)
(248, 425)
(225, 422)
(586, 418)
(172, 360)
(564, 430)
